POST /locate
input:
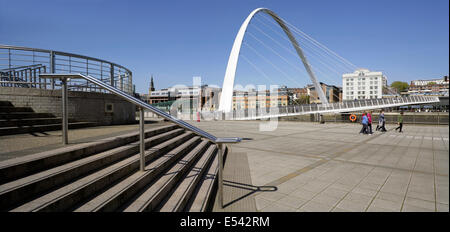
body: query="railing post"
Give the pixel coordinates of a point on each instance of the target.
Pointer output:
(141, 139)
(220, 181)
(9, 59)
(52, 67)
(65, 121)
(111, 74)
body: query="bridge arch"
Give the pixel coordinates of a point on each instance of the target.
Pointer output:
(226, 98)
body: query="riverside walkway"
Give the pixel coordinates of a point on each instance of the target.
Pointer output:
(308, 167)
(305, 167)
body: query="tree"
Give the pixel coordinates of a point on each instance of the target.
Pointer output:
(400, 86)
(303, 99)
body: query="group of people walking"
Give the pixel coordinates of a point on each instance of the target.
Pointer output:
(366, 121)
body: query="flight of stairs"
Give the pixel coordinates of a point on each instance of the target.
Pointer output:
(20, 120)
(180, 175)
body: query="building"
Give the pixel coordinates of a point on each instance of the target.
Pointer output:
(163, 95)
(210, 98)
(332, 93)
(363, 84)
(253, 99)
(194, 97)
(432, 87)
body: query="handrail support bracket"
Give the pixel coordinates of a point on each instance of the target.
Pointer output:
(220, 173)
(142, 138)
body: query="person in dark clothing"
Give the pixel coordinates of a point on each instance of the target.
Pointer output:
(381, 122)
(400, 122)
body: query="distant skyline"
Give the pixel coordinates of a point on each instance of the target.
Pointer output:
(176, 40)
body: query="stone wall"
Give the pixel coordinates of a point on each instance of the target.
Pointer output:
(83, 106)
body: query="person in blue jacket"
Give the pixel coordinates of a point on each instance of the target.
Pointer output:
(365, 123)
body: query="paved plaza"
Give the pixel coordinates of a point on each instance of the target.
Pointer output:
(308, 167)
(330, 167)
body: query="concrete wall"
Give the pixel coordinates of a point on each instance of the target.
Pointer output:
(83, 106)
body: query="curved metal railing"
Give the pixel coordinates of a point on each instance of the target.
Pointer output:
(18, 69)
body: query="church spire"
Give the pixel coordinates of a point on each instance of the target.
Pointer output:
(152, 85)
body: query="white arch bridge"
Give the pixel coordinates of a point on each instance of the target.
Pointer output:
(226, 100)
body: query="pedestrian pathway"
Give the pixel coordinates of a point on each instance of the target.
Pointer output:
(330, 167)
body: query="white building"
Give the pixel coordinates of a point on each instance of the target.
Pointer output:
(363, 84)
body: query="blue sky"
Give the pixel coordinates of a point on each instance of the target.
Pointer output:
(175, 40)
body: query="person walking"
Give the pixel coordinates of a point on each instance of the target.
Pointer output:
(364, 122)
(369, 118)
(400, 122)
(381, 122)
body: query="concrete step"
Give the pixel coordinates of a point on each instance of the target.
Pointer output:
(5, 103)
(120, 193)
(9, 109)
(180, 196)
(20, 115)
(205, 191)
(30, 121)
(19, 190)
(80, 190)
(42, 128)
(151, 196)
(13, 169)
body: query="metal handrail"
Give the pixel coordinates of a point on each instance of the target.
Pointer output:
(218, 141)
(145, 105)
